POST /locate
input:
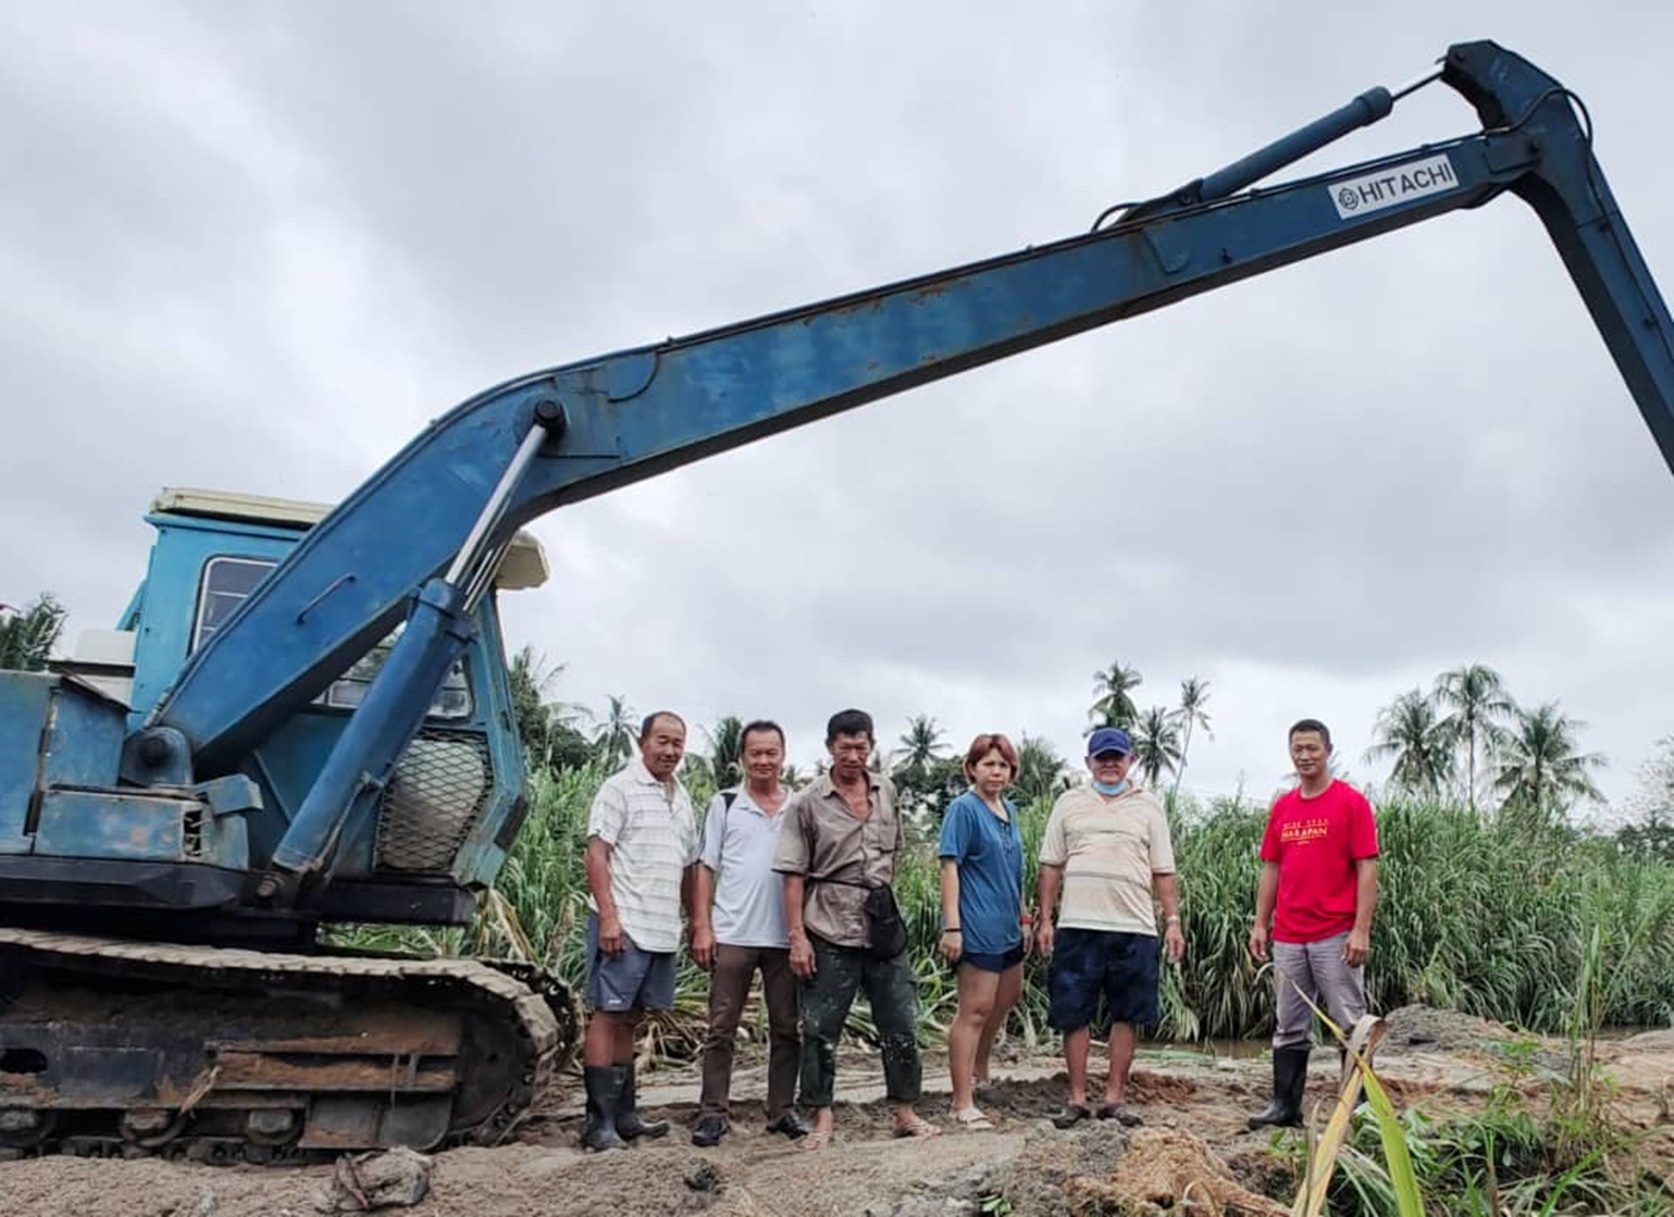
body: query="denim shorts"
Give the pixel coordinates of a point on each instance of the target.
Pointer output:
(1001, 961)
(1090, 966)
(633, 980)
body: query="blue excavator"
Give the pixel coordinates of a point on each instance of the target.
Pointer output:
(303, 717)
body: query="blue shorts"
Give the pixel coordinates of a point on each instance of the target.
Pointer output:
(1002, 961)
(1090, 965)
(633, 980)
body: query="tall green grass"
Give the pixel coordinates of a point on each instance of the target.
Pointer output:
(1506, 922)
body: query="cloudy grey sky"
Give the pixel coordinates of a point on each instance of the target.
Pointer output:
(258, 245)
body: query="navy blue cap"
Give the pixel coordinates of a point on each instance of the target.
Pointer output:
(1109, 739)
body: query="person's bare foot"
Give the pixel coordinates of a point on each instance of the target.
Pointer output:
(823, 1131)
(916, 1126)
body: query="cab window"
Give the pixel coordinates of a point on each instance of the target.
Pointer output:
(228, 581)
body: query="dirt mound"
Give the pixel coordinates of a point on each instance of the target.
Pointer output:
(1661, 1040)
(1427, 1029)
(1167, 1171)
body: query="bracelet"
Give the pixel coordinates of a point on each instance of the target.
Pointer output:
(1174, 920)
(952, 929)
(1027, 920)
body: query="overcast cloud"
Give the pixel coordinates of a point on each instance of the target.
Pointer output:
(258, 246)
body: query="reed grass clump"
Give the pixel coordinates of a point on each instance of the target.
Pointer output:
(1500, 919)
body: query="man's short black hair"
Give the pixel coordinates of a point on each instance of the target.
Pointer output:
(849, 722)
(651, 721)
(1312, 724)
(761, 725)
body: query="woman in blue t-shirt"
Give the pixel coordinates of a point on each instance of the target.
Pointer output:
(985, 930)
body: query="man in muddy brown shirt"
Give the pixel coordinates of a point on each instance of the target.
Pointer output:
(841, 837)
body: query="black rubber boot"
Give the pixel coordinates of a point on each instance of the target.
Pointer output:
(604, 1090)
(1290, 1079)
(628, 1123)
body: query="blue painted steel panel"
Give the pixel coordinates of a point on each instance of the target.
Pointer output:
(112, 824)
(108, 824)
(25, 699)
(84, 745)
(168, 600)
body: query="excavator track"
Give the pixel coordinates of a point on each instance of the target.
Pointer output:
(116, 1047)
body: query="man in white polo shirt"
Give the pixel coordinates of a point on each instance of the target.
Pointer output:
(641, 850)
(743, 931)
(1107, 850)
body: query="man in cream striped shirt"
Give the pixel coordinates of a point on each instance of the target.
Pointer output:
(641, 848)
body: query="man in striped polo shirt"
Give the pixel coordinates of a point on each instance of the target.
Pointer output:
(641, 848)
(1107, 851)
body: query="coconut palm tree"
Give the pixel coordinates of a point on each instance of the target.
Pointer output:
(1540, 768)
(1156, 744)
(725, 761)
(617, 731)
(547, 728)
(918, 766)
(1194, 696)
(1409, 731)
(1477, 710)
(1041, 772)
(921, 744)
(27, 636)
(1113, 704)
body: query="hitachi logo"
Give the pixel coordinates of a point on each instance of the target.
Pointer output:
(1398, 184)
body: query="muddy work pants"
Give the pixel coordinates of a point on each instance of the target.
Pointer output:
(891, 989)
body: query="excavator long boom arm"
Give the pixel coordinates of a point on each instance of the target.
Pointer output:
(626, 416)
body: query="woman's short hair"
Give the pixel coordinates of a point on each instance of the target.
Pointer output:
(982, 745)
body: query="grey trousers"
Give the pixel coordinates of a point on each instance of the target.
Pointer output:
(1316, 968)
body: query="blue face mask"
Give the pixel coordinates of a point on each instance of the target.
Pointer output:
(1110, 788)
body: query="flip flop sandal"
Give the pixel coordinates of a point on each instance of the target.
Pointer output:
(1121, 1113)
(918, 1127)
(817, 1139)
(973, 1120)
(1072, 1115)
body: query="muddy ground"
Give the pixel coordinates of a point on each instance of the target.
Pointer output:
(1445, 1062)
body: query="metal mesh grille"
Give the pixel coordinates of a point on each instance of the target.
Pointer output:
(437, 794)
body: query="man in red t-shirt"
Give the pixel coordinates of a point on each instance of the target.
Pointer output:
(1318, 888)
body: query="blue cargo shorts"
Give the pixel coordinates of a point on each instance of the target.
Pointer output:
(1090, 966)
(635, 979)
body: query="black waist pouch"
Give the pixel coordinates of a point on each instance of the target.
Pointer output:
(883, 921)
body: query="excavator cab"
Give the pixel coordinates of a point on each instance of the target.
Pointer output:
(441, 825)
(134, 1014)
